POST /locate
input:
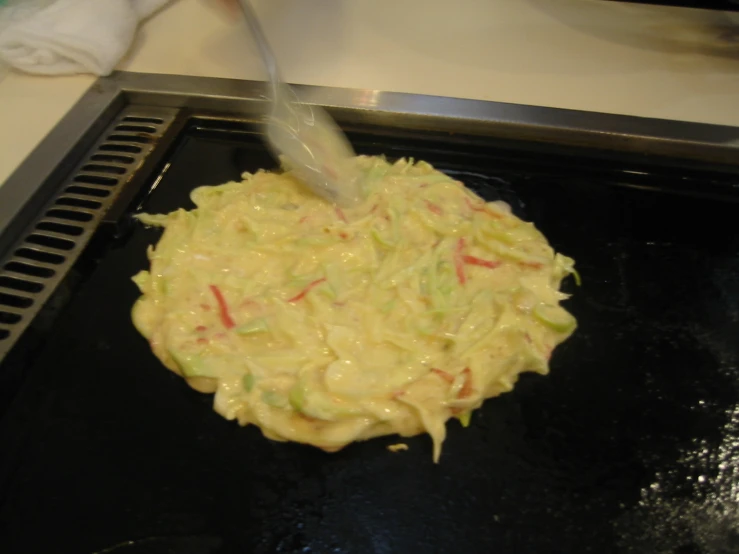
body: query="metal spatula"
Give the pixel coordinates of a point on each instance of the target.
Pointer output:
(303, 136)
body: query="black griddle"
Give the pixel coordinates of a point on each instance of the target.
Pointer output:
(724, 5)
(629, 445)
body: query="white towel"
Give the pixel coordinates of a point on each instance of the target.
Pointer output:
(74, 36)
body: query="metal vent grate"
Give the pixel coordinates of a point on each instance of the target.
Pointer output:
(55, 240)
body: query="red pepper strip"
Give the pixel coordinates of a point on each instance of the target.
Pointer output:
(482, 208)
(448, 377)
(434, 208)
(228, 323)
(201, 328)
(306, 290)
(340, 213)
(466, 389)
(472, 260)
(458, 263)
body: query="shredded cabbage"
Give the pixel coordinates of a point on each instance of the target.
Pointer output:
(325, 326)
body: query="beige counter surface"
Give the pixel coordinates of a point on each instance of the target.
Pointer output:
(580, 54)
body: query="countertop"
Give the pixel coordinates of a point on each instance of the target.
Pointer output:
(591, 55)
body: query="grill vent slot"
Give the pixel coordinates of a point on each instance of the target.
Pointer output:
(54, 241)
(70, 215)
(98, 168)
(9, 318)
(111, 158)
(14, 301)
(78, 203)
(71, 230)
(130, 138)
(20, 284)
(120, 148)
(136, 129)
(96, 180)
(50, 241)
(139, 119)
(39, 256)
(87, 191)
(30, 270)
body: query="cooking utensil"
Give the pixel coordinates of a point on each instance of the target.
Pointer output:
(305, 137)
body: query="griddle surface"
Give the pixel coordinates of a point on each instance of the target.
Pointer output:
(631, 444)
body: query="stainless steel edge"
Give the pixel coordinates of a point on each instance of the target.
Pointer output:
(55, 155)
(230, 96)
(678, 139)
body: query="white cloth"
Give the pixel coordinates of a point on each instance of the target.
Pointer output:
(74, 36)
